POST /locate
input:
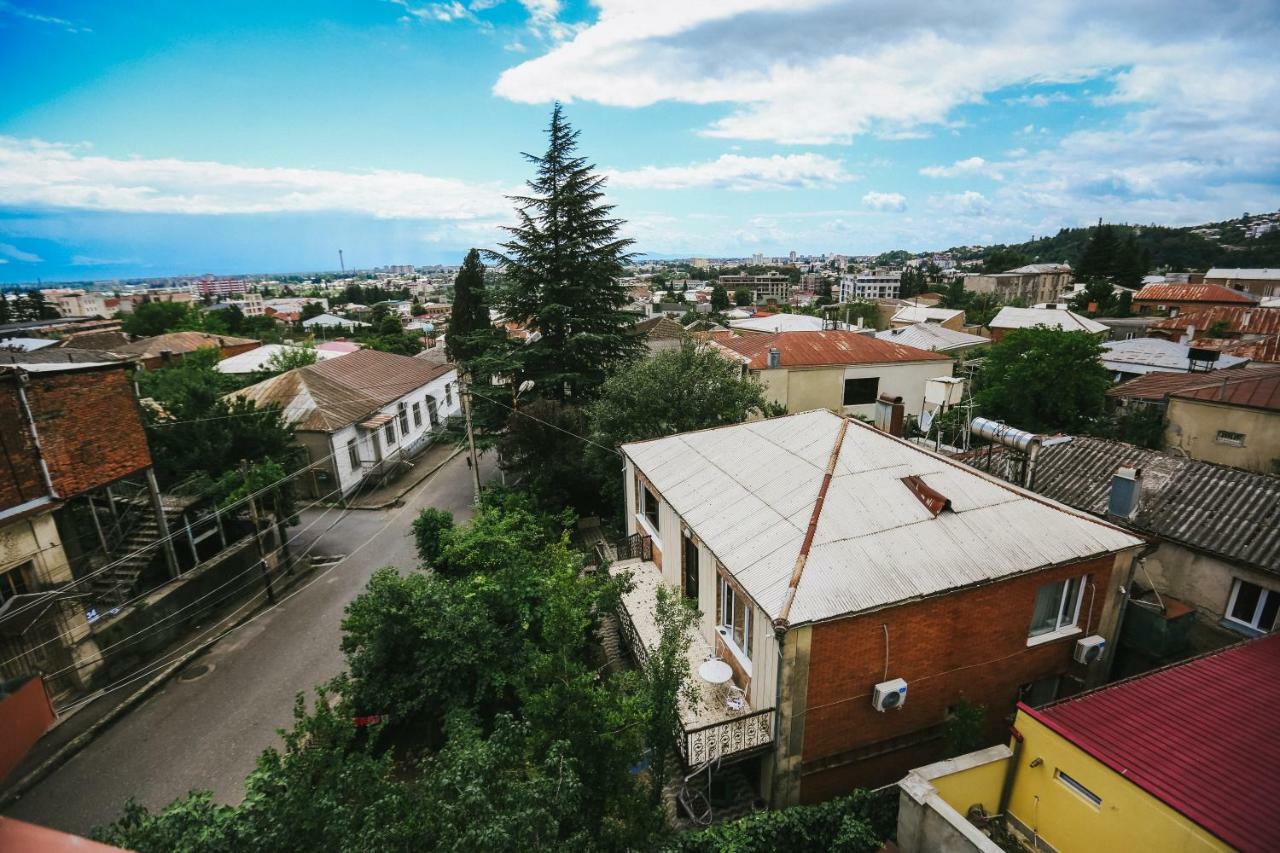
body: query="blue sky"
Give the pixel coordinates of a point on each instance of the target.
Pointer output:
(142, 139)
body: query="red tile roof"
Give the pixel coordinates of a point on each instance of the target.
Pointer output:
(1211, 293)
(1157, 386)
(1240, 320)
(820, 349)
(1200, 736)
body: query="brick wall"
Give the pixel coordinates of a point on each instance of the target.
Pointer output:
(970, 645)
(90, 427)
(20, 479)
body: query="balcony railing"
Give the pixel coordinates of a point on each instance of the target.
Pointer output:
(634, 547)
(731, 738)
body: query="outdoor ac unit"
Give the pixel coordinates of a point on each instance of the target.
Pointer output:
(1090, 649)
(889, 695)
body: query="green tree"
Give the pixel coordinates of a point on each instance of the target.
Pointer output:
(955, 295)
(1042, 379)
(824, 295)
(857, 823)
(1002, 259)
(719, 298)
(430, 531)
(285, 359)
(1132, 263)
(563, 266)
(665, 681)
(741, 297)
(1101, 255)
(156, 318)
(470, 329)
(1099, 293)
(310, 310)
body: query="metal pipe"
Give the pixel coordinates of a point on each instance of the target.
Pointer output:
(1006, 790)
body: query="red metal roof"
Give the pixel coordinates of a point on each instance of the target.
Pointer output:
(1201, 736)
(1258, 392)
(1157, 386)
(1193, 293)
(1240, 320)
(820, 349)
(1257, 350)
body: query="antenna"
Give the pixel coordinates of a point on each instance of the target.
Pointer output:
(342, 263)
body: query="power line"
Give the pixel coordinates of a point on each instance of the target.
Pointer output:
(612, 450)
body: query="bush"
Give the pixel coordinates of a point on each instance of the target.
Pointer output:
(858, 823)
(430, 530)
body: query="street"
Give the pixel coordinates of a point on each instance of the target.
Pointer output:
(207, 732)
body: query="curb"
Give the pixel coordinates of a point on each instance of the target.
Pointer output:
(64, 754)
(396, 500)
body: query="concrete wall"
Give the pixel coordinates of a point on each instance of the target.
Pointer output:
(1031, 288)
(1200, 580)
(1193, 425)
(933, 802)
(801, 390)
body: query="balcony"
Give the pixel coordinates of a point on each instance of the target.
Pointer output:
(710, 729)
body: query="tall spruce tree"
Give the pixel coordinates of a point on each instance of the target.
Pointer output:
(563, 265)
(470, 314)
(1101, 254)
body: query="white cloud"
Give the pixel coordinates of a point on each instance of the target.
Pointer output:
(736, 172)
(1040, 99)
(967, 203)
(40, 174)
(968, 166)
(18, 255)
(10, 9)
(891, 202)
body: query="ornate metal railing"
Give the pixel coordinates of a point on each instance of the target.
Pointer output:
(631, 637)
(724, 740)
(634, 547)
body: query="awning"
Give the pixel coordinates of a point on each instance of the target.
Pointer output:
(377, 421)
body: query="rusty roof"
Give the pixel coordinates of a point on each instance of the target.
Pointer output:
(1259, 350)
(1199, 736)
(821, 349)
(1157, 386)
(1193, 293)
(1240, 320)
(1257, 389)
(180, 343)
(330, 395)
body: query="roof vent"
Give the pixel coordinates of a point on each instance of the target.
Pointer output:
(933, 500)
(1126, 490)
(775, 357)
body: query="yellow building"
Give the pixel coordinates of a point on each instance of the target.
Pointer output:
(1183, 759)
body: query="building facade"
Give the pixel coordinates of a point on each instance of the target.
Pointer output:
(1029, 285)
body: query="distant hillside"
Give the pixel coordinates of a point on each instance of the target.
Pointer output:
(1195, 247)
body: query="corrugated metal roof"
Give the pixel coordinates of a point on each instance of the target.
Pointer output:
(1039, 269)
(1240, 320)
(1192, 293)
(925, 313)
(1248, 274)
(1054, 318)
(1266, 350)
(820, 349)
(1147, 355)
(339, 392)
(180, 343)
(1253, 392)
(748, 491)
(779, 323)
(257, 358)
(932, 337)
(1228, 512)
(1200, 736)
(1157, 386)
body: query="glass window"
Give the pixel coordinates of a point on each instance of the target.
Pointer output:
(403, 414)
(353, 454)
(858, 392)
(390, 433)
(735, 617)
(14, 582)
(1235, 439)
(650, 509)
(1253, 606)
(1081, 790)
(1057, 606)
(448, 394)
(417, 415)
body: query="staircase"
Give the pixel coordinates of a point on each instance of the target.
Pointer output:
(116, 584)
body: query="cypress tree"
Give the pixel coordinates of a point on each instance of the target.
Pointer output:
(563, 265)
(470, 313)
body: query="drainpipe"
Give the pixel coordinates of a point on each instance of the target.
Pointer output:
(1006, 790)
(1125, 594)
(23, 379)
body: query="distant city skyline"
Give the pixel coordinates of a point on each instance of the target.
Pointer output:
(140, 141)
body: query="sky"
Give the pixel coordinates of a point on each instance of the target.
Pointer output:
(143, 139)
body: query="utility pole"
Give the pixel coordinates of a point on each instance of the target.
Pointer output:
(471, 439)
(257, 535)
(342, 263)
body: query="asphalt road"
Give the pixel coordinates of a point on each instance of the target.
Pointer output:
(206, 733)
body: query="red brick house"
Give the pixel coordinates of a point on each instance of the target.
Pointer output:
(859, 588)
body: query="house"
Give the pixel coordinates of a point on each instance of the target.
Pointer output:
(1237, 322)
(842, 371)
(659, 333)
(910, 314)
(933, 337)
(257, 359)
(1175, 298)
(161, 350)
(1010, 318)
(69, 432)
(1231, 417)
(360, 416)
(1138, 356)
(330, 322)
(1260, 282)
(769, 287)
(1183, 758)
(874, 284)
(1214, 557)
(1127, 328)
(1028, 284)
(771, 323)
(858, 587)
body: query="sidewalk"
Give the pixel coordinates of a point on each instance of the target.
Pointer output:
(424, 465)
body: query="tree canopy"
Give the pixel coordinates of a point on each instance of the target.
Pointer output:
(1042, 379)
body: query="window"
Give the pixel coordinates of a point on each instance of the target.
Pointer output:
(390, 433)
(859, 392)
(433, 415)
(417, 415)
(650, 508)
(448, 394)
(353, 454)
(1235, 439)
(1057, 606)
(1252, 606)
(1084, 793)
(14, 582)
(735, 618)
(404, 418)
(690, 567)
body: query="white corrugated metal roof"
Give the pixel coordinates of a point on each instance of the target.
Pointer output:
(748, 491)
(924, 313)
(1055, 318)
(1151, 355)
(1251, 274)
(931, 336)
(779, 323)
(256, 359)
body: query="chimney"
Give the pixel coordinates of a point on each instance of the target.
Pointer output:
(1126, 491)
(775, 358)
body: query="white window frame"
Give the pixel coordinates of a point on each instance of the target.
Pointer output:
(728, 595)
(1063, 629)
(641, 518)
(1076, 788)
(1257, 610)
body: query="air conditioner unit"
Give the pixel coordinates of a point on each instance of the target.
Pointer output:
(889, 695)
(1089, 649)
